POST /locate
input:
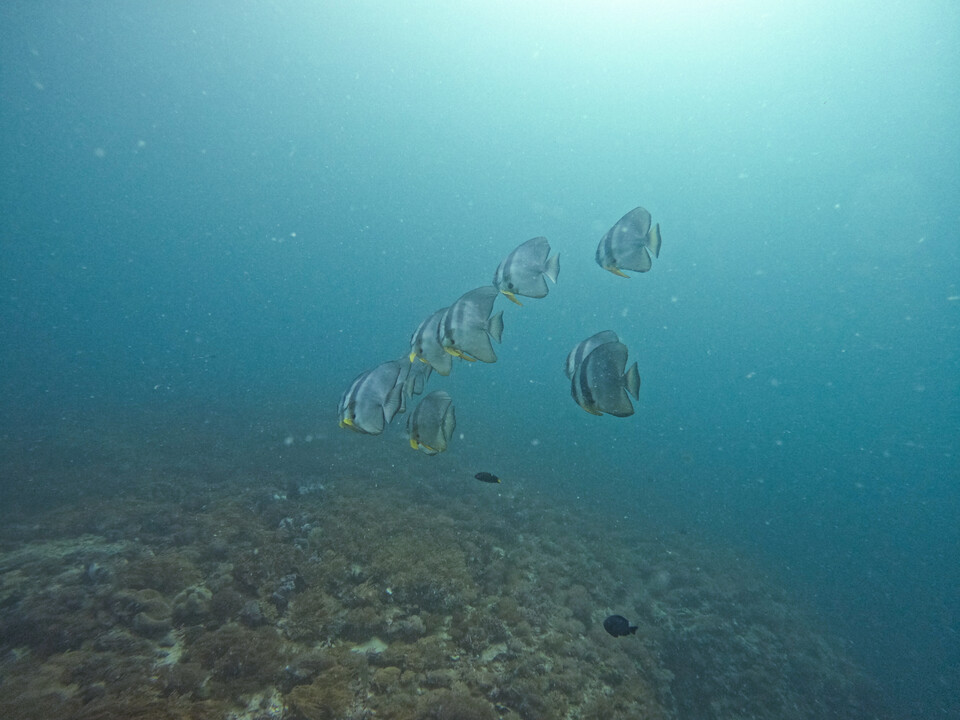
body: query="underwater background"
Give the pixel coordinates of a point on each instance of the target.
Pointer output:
(213, 216)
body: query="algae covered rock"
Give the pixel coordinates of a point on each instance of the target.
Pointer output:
(186, 678)
(386, 678)
(304, 668)
(192, 605)
(153, 618)
(233, 651)
(362, 623)
(314, 615)
(408, 629)
(166, 572)
(424, 573)
(251, 614)
(454, 705)
(288, 586)
(406, 606)
(328, 697)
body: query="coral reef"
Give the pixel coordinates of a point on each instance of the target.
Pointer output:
(354, 597)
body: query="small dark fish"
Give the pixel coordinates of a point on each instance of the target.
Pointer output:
(487, 477)
(619, 626)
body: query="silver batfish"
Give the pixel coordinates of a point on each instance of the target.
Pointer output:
(600, 384)
(373, 398)
(628, 244)
(425, 346)
(430, 426)
(584, 348)
(524, 270)
(413, 381)
(466, 327)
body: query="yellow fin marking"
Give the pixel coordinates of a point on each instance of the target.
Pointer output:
(512, 298)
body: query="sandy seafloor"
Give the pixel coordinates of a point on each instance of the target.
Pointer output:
(186, 574)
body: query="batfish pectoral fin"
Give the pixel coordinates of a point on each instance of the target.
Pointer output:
(512, 298)
(460, 354)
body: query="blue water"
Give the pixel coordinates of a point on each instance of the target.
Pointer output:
(239, 207)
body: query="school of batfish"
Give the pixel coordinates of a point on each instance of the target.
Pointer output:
(597, 367)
